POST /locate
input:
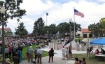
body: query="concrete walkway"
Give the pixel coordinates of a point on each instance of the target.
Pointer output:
(56, 61)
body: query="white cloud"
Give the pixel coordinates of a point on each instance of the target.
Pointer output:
(58, 12)
(36, 6)
(28, 23)
(92, 11)
(101, 0)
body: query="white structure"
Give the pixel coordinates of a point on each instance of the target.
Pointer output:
(5, 29)
(85, 33)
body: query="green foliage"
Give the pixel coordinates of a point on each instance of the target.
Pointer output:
(21, 31)
(38, 26)
(65, 27)
(98, 29)
(77, 39)
(52, 29)
(12, 10)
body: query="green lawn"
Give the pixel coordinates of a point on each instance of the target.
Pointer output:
(34, 46)
(77, 39)
(91, 60)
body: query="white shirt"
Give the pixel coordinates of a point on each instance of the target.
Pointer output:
(39, 51)
(67, 51)
(63, 50)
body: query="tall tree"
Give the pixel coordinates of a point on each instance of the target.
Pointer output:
(65, 27)
(52, 29)
(12, 10)
(21, 31)
(98, 29)
(38, 27)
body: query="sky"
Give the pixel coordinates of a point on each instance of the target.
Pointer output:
(60, 11)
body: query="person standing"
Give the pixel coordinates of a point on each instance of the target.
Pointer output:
(39, 54)
(14, 50)
(51, 54)
(10, 50)
(35, 54)
(6, 52)
(30, 54)
(63, 53)
(70, 51)
(0, 50)
(16, 59)
(20, 52)
(89, 49)
(67, 53)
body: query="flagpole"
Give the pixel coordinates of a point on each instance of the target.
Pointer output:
(74, 24)
(46, 19)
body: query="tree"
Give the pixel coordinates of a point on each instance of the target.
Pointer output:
(38, 27)
(65, 27)
(12, 10)
(52, 29)
(98, 29)
(21, 31)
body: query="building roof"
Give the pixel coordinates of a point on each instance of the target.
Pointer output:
(85, 30)
(6, 29)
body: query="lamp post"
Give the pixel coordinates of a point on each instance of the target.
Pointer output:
(2, 12)
(46, 18)
(70, 27)
(70, 20)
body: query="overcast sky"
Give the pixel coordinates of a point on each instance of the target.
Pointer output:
(60, 11)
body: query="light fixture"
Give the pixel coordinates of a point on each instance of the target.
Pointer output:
(2, 10)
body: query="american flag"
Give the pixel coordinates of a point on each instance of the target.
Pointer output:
(76, 12)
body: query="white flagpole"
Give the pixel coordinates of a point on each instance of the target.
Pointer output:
(74, 24)
(46, 19)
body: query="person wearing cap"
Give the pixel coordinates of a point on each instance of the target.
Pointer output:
(30, 54)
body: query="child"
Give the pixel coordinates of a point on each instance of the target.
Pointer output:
(76, 61)
(83, 61)
(26, 55)
(80, 62)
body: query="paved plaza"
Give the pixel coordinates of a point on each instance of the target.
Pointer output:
(45, 61)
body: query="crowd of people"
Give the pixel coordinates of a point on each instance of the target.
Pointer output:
(14, 47)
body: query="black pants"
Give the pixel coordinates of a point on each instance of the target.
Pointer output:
(6, 55)
(9, 54)
(50, 58)
(35, 57)
(13, 54)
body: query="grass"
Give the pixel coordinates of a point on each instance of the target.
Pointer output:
(34, 46)
(25, 51)
(77, 39)
(91, 60)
